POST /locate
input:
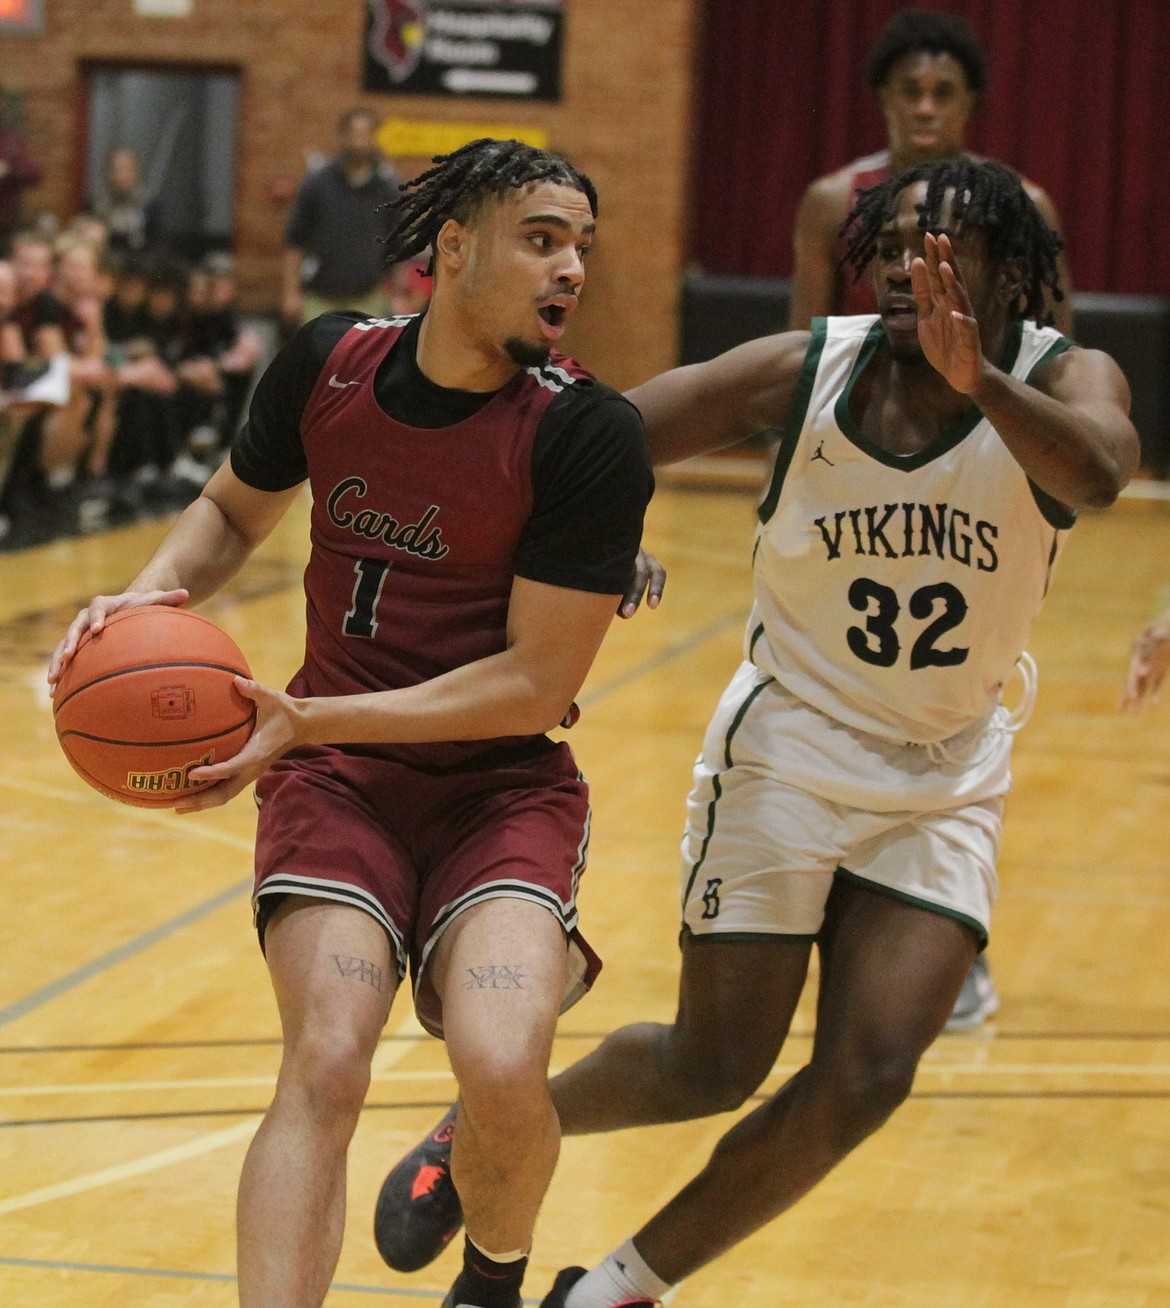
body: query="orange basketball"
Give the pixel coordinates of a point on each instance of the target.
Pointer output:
(148, 699)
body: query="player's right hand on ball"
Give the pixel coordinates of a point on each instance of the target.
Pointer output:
(275, 733)
(93, 617)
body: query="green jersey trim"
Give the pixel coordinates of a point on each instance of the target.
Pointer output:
(1053, 512)
(689, 936)
(717, 785)
(946, 440)
(790, 435)
(917, 902)
(717, 788)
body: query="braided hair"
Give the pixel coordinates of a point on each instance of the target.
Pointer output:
(988, 196)
(459, 183)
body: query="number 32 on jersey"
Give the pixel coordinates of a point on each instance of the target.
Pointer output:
(880, 641)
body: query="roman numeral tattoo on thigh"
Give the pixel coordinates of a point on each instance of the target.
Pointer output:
(361, 970)
(495, 976)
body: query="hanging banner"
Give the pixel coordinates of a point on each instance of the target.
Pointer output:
(410, 136)
(465, 48)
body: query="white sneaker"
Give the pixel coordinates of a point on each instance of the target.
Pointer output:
(978, 1000)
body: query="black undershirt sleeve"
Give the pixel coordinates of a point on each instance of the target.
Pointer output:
(592, 481)
(268, 453)
(590, 465)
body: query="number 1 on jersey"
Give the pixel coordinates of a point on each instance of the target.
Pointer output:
(361, 620)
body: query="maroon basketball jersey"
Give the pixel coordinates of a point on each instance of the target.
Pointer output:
(858, 296)
(414, 530)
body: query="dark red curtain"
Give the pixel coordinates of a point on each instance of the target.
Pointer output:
(1077, 100)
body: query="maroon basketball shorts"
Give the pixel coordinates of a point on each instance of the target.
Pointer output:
(414, 850)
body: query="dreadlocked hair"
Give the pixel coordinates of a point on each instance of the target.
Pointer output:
(987, 196)
(460, 182)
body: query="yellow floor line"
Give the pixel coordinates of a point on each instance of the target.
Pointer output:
(384, 1074)
(387, 1055)
(201, 1083)
(142, 816)
(136, 1167)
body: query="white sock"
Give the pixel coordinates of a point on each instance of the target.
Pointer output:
(624, 1275)
(512, 1255)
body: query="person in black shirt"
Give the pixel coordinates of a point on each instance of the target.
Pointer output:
(477, 511)
(332, 256)
(219, 358)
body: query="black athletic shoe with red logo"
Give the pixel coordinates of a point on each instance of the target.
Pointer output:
(418, 1211)
(568, 1277)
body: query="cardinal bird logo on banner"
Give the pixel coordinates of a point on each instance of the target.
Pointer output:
(396, 39)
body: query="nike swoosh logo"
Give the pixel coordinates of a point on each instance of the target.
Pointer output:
(340, 385)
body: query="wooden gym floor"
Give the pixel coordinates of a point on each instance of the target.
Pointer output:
(139, 1039)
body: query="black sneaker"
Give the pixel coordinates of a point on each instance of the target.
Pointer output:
(568, 1277)
(451, 1302)
(418, 1212)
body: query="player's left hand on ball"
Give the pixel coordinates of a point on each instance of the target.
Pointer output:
(649, 580)
(274, 734)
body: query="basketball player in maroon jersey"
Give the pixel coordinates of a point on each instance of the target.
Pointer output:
(928, 70)
(477, 511)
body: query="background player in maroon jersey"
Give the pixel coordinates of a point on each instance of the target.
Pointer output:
(928, 70)
(477, 509)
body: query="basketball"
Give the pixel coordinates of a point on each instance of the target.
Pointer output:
(149, 698)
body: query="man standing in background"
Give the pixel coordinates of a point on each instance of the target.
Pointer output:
(333, 257)
(928, 71)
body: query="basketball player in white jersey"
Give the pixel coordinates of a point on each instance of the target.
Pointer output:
(851, 785)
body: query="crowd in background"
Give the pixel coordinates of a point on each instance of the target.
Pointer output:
(125, 369)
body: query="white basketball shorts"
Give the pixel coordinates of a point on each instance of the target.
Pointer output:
(785, 799)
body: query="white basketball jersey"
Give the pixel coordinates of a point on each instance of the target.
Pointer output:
(896, 593)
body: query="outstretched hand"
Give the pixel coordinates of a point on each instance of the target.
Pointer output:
(649, 580)
(947, 328)
(1148, 664)
(274, 734)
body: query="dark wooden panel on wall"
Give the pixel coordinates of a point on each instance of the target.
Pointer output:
(721, 312)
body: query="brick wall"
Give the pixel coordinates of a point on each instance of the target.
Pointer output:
(624, 119)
